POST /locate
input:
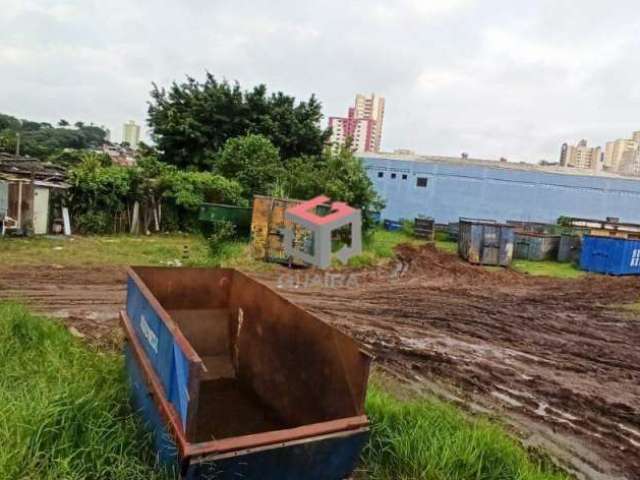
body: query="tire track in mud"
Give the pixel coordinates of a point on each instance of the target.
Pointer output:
(558, 358)
(559, 355)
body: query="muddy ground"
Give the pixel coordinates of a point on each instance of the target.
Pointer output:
(558, 359)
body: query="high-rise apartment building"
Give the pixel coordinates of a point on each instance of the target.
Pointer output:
(131, 134)
(362, 125)
(617, 151)
(581, 156)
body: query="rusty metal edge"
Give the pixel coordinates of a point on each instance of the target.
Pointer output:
(278, 437)
(370, 356)
(226, 445)
(221, 456)
(182, 341)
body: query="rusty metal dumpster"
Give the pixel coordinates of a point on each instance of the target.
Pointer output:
(486, 243)
(235, 381)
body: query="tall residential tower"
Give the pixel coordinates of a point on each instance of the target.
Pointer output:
(131, 134)
(362, 125)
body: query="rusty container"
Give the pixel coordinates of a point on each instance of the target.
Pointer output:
(485, 243)
(234, 381)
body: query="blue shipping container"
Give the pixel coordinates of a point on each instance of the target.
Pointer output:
(234, 381)
(613, 256)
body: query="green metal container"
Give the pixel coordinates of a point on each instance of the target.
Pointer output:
(213, 213)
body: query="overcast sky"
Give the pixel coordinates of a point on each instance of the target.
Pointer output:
(490, 77)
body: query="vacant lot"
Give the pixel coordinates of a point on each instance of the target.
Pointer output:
(558, 358)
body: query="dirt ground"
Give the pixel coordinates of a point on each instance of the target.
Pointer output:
(559, 360)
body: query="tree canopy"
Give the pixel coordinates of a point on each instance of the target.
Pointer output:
(41, 139)
(253, 161)
(192, 121)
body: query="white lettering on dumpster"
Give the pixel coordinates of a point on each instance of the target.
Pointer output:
(148, 333)
(635, 258)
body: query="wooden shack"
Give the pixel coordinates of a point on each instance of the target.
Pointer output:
(27, 188)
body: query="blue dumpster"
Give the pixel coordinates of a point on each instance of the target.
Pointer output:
(234, 381)
(610, 255)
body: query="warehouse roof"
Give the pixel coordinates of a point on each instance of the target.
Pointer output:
(531, 167)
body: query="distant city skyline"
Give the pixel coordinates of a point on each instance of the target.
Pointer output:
(492, 78)
(619, 156)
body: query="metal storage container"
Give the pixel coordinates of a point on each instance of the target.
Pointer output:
(392, 225)
(536, 246)
(569, 248)
(486, 243)
(610, 255)
(234, 381)
(424, 228)
(216, 212)
(453, 229)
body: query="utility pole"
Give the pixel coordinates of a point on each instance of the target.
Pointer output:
(18, 139)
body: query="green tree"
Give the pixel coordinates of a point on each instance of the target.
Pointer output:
(41, 139)
(345, 179)
(338, 175)
(193, 120)
(253, 161)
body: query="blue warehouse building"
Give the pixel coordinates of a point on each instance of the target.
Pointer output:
(447, 188)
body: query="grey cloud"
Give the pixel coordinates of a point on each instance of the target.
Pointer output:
(492, 77)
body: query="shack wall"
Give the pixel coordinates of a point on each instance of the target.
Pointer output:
(4, 198)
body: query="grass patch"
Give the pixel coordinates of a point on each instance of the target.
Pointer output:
(162, 249)
(64, 414)
(64, 410)
(425, 439)
(379, 245)
(106, 250)
(445, 244)
(547, 269)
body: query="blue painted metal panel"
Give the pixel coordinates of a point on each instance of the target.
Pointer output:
(330, 458)
(327, 459)
(482, 191)
(613, 256)
(166, 357)
(167, 453)
(392, 225)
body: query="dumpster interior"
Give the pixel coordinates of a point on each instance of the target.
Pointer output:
(269, 364)
(225, 408)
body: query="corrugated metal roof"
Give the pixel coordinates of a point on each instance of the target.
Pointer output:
(13, 167)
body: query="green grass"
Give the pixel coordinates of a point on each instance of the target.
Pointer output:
(64, 410)
(379, 246)
(64, 414)
(162, 249)
(424, 439)
(444, 244)
(539, 269)
(547, 269)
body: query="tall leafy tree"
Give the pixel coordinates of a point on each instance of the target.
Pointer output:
(253, 161)
(41, 139)
(193, 120)
(339, 175)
